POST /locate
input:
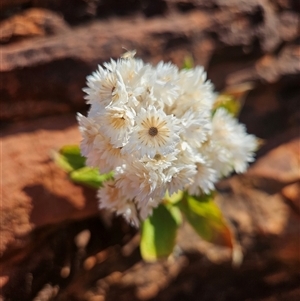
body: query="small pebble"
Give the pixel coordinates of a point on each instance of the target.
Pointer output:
(65, 272)
(82, 239)
(89, 263)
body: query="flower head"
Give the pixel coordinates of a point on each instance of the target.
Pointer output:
(153, 127)
(89, 130)
(117, 124)
(229, 147)
(154, 132)
(110, 197)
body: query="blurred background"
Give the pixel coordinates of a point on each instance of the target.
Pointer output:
(54, 243)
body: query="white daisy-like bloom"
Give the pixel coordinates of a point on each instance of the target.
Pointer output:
(104, 155)
(160, 161)
(196, 127)
(117, 124)
(155, 132)
(180, 177)
(204, 179)
(131, 71)
(197, 92)
(89, 129)
(105, 88)
(111, 198)
(141, 182)
(154, 127)
(166, 83)
(188, 155)
(99, 87)
(218, 157)
(234, 146)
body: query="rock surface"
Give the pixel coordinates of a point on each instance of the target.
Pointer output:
(53, 245)
(37, 193)
(58, 57)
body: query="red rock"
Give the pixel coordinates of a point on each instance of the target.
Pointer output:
(35, 191)
(31, 23)
(256, 206)
(292, 194)
(282, 164)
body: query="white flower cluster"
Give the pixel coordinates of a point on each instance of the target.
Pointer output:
(154, 127)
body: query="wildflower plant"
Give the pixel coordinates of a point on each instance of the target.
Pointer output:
(156, 139)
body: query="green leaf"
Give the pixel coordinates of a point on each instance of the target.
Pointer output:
(90, 177)
(158, 234)
(232, 98)
(188, 62)
(70, 150)
(69, 158)
(206, 219)
(174, 198)
(229, 103)
(176, 213)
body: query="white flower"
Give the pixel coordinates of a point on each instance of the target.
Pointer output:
(117, 124)
(204, 179)
(105, 88)
(155, 132)
(196, 126)
(231, 148)
(141, 182)
(108, 87)
(218, 157)
(165, 83)
(160, 161)
(89, 129)
(100, 86)
(188, 155)
(196, 93)
(179, 177)
(131, 71)
(145, 186)
(110, 197)
(104, 155)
